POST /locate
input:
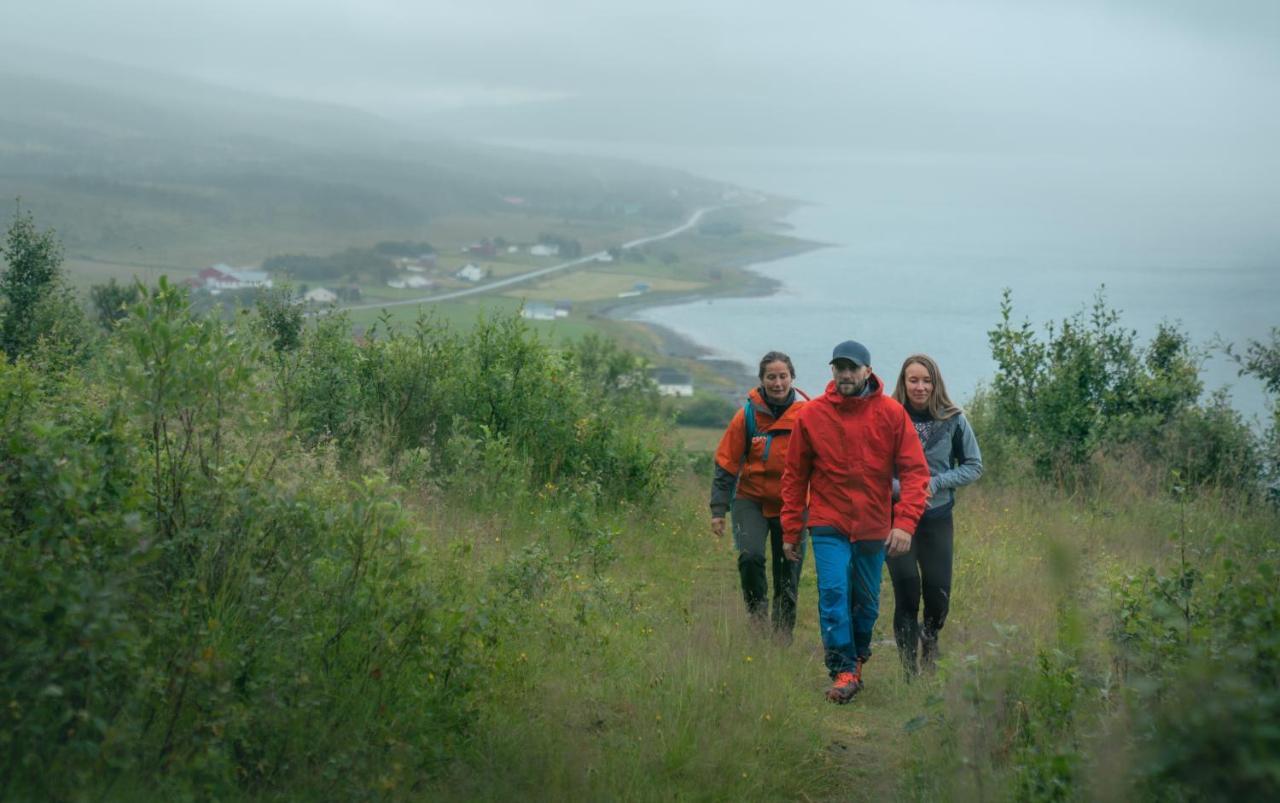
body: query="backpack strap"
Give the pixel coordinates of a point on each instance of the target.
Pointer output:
(749, 416)
(957, 443)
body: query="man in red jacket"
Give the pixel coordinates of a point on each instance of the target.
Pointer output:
(845, 448)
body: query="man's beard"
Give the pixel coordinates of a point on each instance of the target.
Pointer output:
(854, 386)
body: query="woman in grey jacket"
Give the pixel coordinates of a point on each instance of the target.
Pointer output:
(954, 460)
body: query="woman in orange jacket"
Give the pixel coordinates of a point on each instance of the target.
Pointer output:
(748, 480)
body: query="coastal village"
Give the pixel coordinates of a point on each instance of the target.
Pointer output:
(555, 281)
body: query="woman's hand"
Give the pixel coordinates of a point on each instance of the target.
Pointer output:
(899, 542)
(717, 526)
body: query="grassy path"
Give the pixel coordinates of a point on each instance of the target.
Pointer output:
(642, 679)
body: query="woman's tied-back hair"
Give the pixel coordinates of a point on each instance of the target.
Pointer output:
(775, 356)
(940, 405)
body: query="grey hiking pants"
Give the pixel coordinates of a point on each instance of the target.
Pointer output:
(752, 530)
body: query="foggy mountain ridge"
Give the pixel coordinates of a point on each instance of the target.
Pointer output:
(119, 153)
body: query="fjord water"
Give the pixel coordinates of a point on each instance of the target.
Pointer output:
(921, 246)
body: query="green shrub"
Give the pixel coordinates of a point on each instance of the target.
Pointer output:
(1209, 445)
(1201, 659)
(1262, 360)
(324, 388)
(111, 301)
(496, 403)
(71, 538)
(1089, 389)
(40, 318)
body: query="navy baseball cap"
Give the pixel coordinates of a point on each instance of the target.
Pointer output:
(853, 351)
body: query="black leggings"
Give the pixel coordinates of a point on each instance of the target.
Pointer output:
(925, 570)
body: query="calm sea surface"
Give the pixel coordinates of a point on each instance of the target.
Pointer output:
(923, 244)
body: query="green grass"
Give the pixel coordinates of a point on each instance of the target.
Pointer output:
(703, 440)
(647, 681)
(593, 285)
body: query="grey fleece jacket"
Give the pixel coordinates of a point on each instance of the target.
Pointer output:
(954, 460)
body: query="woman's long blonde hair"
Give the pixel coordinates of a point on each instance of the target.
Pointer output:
(940, 405)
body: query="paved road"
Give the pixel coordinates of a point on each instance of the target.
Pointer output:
(534, 274)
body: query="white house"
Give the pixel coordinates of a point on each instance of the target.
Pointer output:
(672, 382)
(410, 282)
(538, 311)
(544, 250)
(320, 296)
(470, 273)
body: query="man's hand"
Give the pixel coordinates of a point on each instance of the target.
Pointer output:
(791, 551)
(717, 526)
(899, 543)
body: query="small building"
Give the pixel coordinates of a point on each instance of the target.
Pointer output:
(544, 250)
(563, 308)
(410, 283)
(672, 382)
(320, 295)
(470, 272)
(222, 277)
(604, 256)
(538, 311)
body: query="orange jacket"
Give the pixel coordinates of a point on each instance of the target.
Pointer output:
(841, 462)
(761, 478)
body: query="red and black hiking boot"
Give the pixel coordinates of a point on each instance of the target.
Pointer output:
(845, 685)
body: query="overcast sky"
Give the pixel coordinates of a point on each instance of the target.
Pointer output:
(1146, 73)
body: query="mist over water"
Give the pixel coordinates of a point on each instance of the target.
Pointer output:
(923, 244)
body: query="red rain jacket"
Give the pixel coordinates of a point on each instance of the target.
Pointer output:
(841, 459)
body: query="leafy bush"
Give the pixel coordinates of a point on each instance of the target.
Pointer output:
(111, 301)
(39, 315)
(1089, 389)
(494, 402)
(1211, 625)
(1262, 360)
(196, 597)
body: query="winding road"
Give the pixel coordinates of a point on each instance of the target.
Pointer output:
(534, 274)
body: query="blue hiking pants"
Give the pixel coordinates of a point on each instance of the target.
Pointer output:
(848, 595)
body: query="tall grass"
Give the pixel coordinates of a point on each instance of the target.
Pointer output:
(646, 680)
